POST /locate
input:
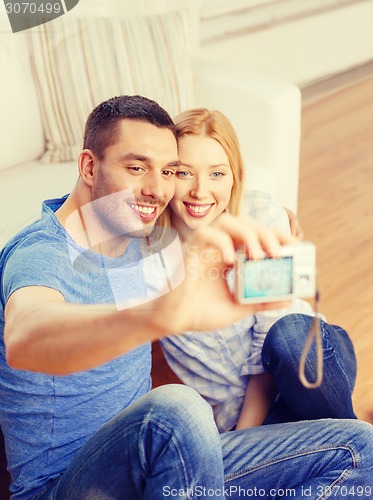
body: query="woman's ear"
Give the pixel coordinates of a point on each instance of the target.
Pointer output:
(86, 163)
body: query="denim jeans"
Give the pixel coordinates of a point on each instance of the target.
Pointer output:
(166, 445)
(280, 356)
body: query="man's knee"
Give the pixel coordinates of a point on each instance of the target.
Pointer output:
(179, 413)
(180, 406)
(178, 398)
(360, 437)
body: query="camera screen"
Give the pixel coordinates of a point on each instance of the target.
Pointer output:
(267, 277)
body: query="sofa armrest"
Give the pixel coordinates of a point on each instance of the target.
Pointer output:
(266, 114)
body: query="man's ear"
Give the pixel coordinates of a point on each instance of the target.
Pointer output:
(87, 162)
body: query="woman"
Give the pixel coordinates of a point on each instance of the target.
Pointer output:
(234, 368)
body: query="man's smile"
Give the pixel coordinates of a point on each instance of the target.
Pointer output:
(145, 212)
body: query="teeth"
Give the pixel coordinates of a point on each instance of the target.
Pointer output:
(141, 209)
(199, 209)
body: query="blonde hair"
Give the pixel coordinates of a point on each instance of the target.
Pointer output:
(214, 124)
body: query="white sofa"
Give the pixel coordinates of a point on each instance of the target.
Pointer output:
(265, 112)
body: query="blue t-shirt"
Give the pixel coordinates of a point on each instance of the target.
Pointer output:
(46, 419)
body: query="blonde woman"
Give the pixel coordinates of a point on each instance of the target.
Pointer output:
(248, 372)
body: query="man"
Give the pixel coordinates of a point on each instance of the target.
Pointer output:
(76, 412)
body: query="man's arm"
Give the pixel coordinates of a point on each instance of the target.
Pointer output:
(43, 333)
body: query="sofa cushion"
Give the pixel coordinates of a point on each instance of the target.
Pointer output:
(23, 189)
(82, 62)
(18, 102)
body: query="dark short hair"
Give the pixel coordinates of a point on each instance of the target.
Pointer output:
(101, 129)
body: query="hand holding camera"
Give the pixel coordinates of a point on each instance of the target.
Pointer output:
(289, 275)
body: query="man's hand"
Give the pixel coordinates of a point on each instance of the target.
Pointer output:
(203, 301)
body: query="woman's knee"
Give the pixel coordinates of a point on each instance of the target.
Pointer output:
(285, 340)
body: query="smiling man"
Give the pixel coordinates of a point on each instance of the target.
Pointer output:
(76, 409)
(132, 156)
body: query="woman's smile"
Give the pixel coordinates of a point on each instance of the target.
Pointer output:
(198, 210)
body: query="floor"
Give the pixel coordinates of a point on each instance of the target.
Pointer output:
(336, 212)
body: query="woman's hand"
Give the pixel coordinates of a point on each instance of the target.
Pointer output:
(295, 228)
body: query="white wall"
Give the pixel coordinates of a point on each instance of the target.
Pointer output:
(211, 8)
(305, 50)
(220, 17)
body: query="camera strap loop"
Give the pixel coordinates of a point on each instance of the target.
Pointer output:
(313, 336)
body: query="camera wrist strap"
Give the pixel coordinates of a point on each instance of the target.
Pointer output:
(313, 336)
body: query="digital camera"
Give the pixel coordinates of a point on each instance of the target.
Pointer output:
(284, 277)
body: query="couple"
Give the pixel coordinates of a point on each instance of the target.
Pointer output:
(77, 413)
